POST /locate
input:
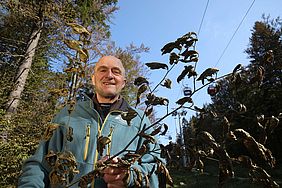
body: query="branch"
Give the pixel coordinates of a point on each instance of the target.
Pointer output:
(13, 55)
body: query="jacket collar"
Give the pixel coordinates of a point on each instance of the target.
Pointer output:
(120, 104)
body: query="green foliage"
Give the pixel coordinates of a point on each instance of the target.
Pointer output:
(22, 133)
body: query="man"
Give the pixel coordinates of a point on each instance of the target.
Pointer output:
(79, 131)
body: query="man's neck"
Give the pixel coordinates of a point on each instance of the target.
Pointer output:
(101, 99)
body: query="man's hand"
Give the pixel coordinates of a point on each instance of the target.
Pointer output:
(114, 176)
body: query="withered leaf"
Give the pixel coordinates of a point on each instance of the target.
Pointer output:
(188, 70)
(191, 59)
(213, 114)
(126, 178)
(210, 79)
(147, 182)
(149, 111)
(156, 65)
(141, 90)
(163, 175)
(173, 58)
(246, 161)
(140, 80)
(165, 129)
(207, 138)
(123, 163)
(78, 29)
(260, 175)
(200, 165)
(142, 150)
(150, 98)
(153, 100)
(240, 108)
(88, 178)
(169, 47)
(64, 169)
(50, 130)
(51, 158)
(137, 178)
(236, 68)
(132, 156)
(237, 80)
(231, 136)
(183, 100)
(201, 110)
(260, 118)
(83, 55)
(187, 53)
(187, 39)
(259, 76)
(225, 171)
(101, 144)
(156, 131)
(190, 42)
(56, 179)
(73, 44)
(167, 83)
(147, 137)
(259, 153)
(163, 101)
(271, 124)
(129, 115)
(208, 72)
(225, 125)
(71, 69)
(70, 134)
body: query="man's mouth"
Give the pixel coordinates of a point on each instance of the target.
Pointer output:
(107, 83)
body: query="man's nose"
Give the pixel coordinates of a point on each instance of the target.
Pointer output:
(110, 74)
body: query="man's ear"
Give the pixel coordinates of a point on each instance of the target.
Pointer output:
(93, 79)
(124, 83)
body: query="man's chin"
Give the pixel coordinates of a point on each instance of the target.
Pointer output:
(111, 97)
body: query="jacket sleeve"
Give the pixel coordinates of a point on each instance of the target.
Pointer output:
(148, 166)
(35, 170)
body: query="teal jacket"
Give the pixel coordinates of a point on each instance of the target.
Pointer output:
(86, 126)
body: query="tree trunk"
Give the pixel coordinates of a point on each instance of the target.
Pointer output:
(20, 81)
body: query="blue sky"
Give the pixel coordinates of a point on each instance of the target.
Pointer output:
(157, 22)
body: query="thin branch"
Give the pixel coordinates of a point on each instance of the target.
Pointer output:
(17, 41)
(13, 55)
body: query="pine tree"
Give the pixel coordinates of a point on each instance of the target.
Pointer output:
(51, 17)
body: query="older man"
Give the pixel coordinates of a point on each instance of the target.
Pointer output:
(93, 118)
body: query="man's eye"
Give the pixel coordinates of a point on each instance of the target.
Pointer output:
(116, 72)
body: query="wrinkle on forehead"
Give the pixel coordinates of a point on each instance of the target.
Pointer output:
(111, 60)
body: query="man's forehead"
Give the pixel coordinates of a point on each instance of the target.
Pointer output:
(101, 66)
(108, 64)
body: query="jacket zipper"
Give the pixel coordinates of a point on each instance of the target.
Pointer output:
(110, 144)
(99, 134)
(87, 139)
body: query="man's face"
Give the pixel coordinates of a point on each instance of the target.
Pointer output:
(108, 78)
